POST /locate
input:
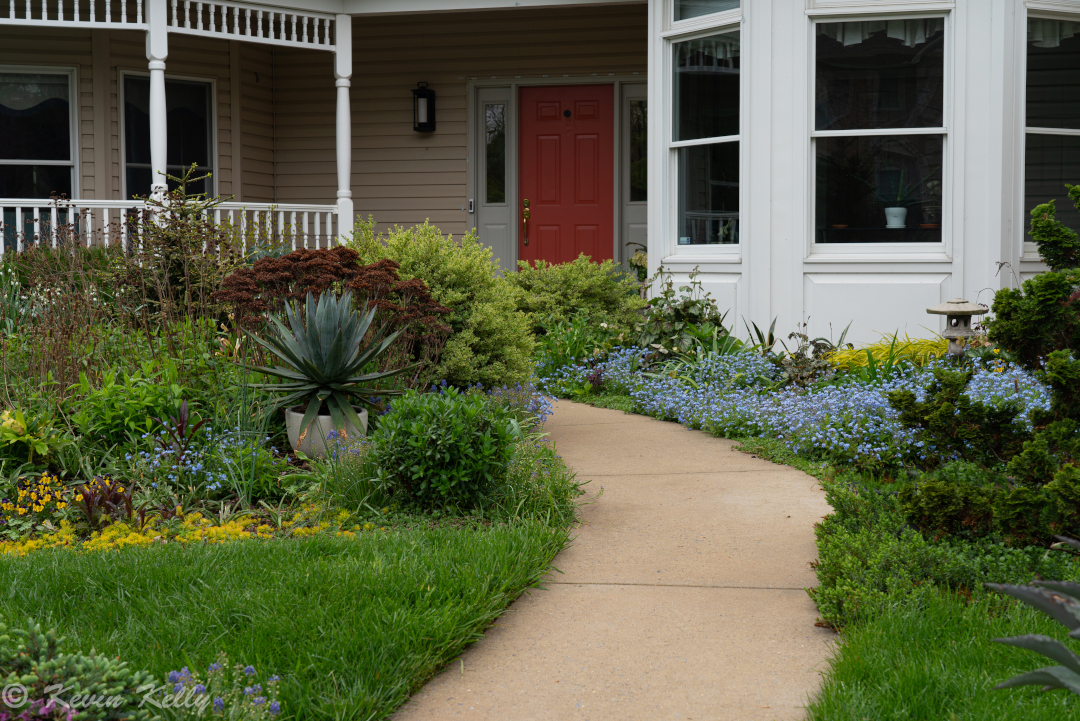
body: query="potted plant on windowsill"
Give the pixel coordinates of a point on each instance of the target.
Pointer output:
(896, 203)
(324, 357)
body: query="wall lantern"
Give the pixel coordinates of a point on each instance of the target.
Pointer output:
(423, 108)
(958, 325)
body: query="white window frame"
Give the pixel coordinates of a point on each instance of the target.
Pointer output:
(73, 118)
(1029, 251)
(213, 110)
(667, 202)
(879, 251)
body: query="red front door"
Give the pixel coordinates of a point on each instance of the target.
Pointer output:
(567, 173)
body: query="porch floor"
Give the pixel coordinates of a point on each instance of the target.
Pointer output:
(681, 597)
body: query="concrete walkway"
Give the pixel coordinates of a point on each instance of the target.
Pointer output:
(681, 597)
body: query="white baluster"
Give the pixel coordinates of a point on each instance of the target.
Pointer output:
(306, 18)
(293, 27)
(60, 10)
(29, 12)
(259, 25)
(19, 229)
(236, 21)
(198, 16)
(54, 217)
(108, 11)
(187, 14)
(11, 15)
(138, 11)
(326, 32)
(247, 21)
(304, 221)
(123, 10)
(213, 19)
(37, 224)
(317, 223)
(93, 10)
(75, 13)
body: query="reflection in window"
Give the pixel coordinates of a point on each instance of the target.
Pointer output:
(639, 168)
(879, 188)
(35, 125)
(709, 194)
(189, 133)
(706, 87)
(1053, 76)
(880, 74)
(686, 9)
(495, 152)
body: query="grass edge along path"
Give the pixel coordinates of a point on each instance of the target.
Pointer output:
(352, 625)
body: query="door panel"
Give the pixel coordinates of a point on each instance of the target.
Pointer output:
(567, 172)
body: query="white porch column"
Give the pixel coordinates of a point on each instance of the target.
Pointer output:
(342, 75)
(157, 49)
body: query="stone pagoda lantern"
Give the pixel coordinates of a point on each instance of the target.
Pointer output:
(958, 325)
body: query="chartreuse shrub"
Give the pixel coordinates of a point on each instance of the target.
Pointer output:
(39, 661)
(352, 625)
(445, 449)
(553, 293)
(491, 342)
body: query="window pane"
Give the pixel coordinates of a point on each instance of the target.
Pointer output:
(639, 169)
(34, 117)
(686, 9)
(1053, 74)
(1050, 161)
(709, 194)
(34, 181)
(707, 87)
(188, 130)
(879, 189)
(880, 74)
(495, 152)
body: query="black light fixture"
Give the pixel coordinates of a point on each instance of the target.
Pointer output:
(423, 108)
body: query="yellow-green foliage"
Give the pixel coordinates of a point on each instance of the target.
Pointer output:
(919, 351)
(491, 341)
(559, 291)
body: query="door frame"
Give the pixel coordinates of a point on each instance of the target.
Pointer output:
(476, 143)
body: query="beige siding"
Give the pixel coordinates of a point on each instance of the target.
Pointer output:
(258, 117)
(403, 177)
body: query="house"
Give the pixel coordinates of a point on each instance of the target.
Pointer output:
(861, 161)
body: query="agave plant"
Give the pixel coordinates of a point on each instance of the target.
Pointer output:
(1060, 600)
(324, 358)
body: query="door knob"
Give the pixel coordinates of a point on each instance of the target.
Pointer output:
(525, 213)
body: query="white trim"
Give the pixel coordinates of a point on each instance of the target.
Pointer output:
(825, 252)
(865, 10)
(1050, 131)
(678, 27)
(122, 140)
(73, 118)
(704, 141)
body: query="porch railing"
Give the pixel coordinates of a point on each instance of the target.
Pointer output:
(28, 222)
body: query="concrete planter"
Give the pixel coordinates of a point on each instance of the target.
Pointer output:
(313, 443)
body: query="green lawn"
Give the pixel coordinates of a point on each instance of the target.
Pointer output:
(352, 625)
(937, 660)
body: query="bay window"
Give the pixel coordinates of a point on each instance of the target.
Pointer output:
(705, 136)
(1052, 125)
(879, 131)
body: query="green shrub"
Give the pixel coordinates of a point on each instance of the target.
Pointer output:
(1038, 318)
(491, 342)
(1058, 244)
(674, 319)
(34, 659)
(959, 426)
(942, 507)
(566, 342)
(444, 449)
(125, 405)
(552, 293)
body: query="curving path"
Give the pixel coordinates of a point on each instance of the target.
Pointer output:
(681, 597)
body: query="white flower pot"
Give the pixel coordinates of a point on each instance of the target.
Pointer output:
(896, 217)
(313, 444)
